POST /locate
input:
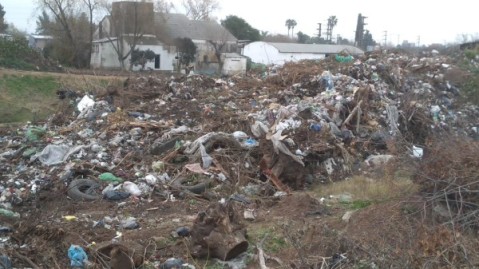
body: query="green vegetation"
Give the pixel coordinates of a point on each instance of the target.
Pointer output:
(241, 29)
(470, 86)
(16, 54)
(470, 54)
(26, 97)
(274, 241)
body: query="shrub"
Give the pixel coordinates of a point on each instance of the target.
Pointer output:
(449, 176)
(470, 54)
(18, 55)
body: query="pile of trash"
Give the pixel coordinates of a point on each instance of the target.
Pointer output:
(232, 139)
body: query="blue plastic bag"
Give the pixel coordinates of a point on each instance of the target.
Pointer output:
(77, 256)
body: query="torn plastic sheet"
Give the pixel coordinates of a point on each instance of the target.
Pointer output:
(56, 154)
(288, 124)
(180, 130)
(279, 146)
(259, 129)
(205, 157)
(85, 103)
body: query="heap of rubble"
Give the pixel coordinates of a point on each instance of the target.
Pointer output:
(166, 138)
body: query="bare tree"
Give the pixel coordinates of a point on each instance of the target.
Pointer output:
(125, 36)
(200, 9)
(219, 47)
(163, 6)
(63, 11)
(91, 6)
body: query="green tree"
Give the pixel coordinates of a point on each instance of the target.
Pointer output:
(3, 24)
(368, 39)
(240, 28)
(141, 57)
(318, 40)
(186, 51)
(44, 24)
(303, 38)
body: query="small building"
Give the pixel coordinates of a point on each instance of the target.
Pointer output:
(39, 42)
(104, 54)
(157, 32)
(233, 64)
(279, 53)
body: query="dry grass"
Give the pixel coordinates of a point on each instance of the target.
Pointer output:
(368, 189)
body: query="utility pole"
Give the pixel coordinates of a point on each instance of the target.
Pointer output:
(385, 38)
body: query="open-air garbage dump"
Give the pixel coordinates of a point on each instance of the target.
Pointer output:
(192, 171)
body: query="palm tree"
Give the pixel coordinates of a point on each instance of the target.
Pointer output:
(293, 24)
(332, 21)
(288, 24)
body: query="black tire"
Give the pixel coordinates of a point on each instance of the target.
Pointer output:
(84, 190)
(199, 188)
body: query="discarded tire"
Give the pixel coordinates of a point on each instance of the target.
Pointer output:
(181, 183)
(84, 190)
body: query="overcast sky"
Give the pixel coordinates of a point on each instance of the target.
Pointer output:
(431, 21)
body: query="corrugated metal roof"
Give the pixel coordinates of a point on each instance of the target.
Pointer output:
(314, 48)
(179, 26)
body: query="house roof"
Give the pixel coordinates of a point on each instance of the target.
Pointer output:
(314, 48)
(179, 26)
(42, 36)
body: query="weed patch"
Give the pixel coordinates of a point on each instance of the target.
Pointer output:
(26, 97)
(274, 241)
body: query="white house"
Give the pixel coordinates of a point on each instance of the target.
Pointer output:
(279, 53)
(157, 32)
(104, 54)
